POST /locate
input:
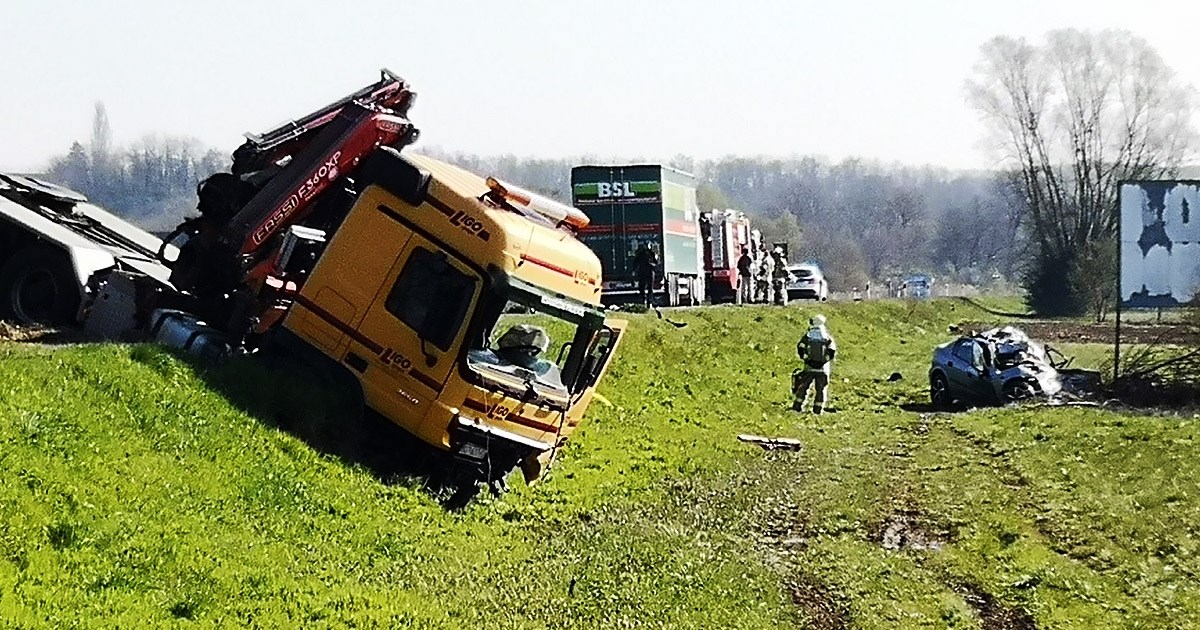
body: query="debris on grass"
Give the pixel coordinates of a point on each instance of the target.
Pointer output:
(674, 323)
(11, 332)
(771, 444)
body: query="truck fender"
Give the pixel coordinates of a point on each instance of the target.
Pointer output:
(86, 262)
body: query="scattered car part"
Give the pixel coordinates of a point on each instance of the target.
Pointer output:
(772, 444)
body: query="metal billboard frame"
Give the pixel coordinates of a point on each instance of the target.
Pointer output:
(1121, 184)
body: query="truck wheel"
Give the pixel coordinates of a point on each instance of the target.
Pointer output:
(38, 286)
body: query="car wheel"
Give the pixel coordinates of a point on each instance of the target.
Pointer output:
(939, 392)
(37, 286)
(1017, 390)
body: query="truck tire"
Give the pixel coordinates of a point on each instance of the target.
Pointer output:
(38, 286)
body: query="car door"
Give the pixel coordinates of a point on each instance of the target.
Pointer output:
(966, 371)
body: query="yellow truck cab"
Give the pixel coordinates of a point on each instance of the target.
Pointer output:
(428, 269)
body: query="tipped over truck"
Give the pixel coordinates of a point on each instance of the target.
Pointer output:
(393, 275)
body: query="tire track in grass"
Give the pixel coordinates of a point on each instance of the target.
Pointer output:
(1059, 539)
(782, 528)
(1011, 532)
(1090, 516)
(911, 529)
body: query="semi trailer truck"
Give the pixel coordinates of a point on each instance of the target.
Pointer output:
(635, 205)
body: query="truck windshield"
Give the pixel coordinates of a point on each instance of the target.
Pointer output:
(532, 347)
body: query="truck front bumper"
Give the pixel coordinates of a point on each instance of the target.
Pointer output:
(475, 441)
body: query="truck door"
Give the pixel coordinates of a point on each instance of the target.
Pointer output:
(600, 352)
(417, 324)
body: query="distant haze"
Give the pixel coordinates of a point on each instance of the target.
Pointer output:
(882, 80)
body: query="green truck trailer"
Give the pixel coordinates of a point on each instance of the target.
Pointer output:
(636, 204)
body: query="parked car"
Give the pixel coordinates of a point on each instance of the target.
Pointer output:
(997, 366)
(917, 287)
(807, 282)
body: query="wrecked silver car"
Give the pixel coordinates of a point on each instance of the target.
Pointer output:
(997, 366)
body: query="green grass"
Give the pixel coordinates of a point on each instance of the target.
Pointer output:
(140, 490)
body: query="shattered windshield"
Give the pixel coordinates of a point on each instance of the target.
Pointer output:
(526, 349)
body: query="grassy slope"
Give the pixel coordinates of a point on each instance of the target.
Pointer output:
(134, 494)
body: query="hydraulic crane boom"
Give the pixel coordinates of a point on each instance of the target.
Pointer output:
(278, 179)
(334, 151)
(261, 150)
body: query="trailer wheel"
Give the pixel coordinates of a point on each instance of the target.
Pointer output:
(37, 286)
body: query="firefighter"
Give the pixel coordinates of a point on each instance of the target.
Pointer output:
(745, 278)
(779, 277)
(816, 349)
(766, 268)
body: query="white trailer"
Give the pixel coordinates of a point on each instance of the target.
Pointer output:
(53, 243)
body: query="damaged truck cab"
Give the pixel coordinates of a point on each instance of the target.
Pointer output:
(411, 292)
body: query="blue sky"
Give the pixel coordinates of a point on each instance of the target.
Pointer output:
(882, 80)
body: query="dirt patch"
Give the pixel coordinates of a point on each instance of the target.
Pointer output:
(994, 614)
(905, 530)
(1089, 332)
(819, 604)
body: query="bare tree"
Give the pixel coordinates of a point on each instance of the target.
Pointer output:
(1071, 118)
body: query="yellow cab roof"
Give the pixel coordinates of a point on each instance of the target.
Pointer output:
(530, 250)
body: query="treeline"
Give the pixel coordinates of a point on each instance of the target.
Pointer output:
(860, 220)
(152, 182)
